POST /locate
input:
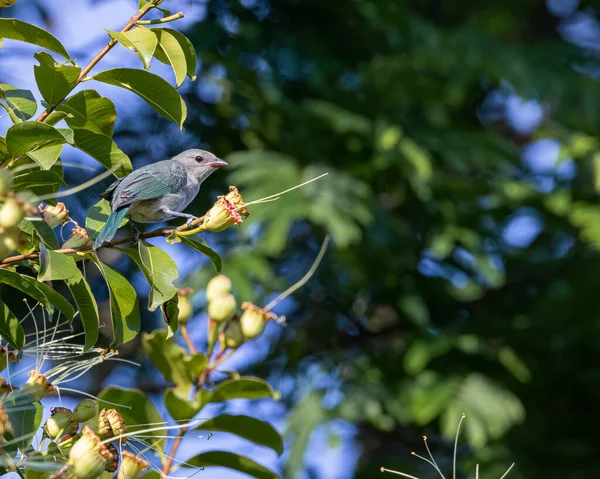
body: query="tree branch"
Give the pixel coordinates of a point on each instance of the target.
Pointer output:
(130, 239)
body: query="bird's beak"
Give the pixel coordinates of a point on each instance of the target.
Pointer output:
(218, 163)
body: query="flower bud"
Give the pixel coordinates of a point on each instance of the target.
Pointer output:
(100, 425)
(54, 215)
(5, 425)
(88, 456)
(220, 285)
(11, 213)
(117, 424)
(85, 410)
(185, 306)
(222, 308)
(131, 466)
(231, 336)
(113, 463)
(78, 238)
(254, 320)
(37, 386)
(60, 423)
(227, 211)
(6, 180)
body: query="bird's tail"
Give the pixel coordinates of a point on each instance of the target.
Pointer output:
(110, 227)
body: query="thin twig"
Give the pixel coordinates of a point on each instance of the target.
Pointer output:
(186, 336)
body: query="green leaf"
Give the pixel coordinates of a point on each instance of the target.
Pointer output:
(32, 135)
(200, 245)
(56, 266)
(57, 300)
(182, 409)
(22, 283)
(25, 416)
(10, 328)
(141, 41)
(88, 309)
(25, 32)
(97, 216)
(137, 410)
(170, 311)
(29, 180)
(174, 363)
(102, 148)
(176, 50)
(55, 117)
(124, 306)
(46, 157)
(55, 81)
(88, 110)
(232, 461)
(252, 429)
(41, 229)
(245, 387)
(160, 271)
(21, 102)
(159, 94)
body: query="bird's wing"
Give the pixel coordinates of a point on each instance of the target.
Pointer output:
(110, 191)
(151, 181)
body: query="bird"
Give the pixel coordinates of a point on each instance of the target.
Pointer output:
(157, 192)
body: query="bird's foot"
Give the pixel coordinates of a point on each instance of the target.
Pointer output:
(190, 220)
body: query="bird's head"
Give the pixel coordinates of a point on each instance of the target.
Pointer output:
(199, 163)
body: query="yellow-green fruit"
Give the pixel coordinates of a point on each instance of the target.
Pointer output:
(6, 180)
(11, 214)
(131, 466)
(232, 335)
(60, 423)
(88, 456)
(9, 242)
(85, 410)
(220, 285)
(185, 305)
(222, 308)
(253, 323)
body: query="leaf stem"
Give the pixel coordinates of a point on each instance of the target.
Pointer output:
(186, 336)
(170, 18)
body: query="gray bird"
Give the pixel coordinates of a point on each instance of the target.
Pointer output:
(157, 192)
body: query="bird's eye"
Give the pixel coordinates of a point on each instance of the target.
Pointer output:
(198, 158)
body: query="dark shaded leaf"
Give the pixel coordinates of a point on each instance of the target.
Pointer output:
(243, 388)
(10, 328)
(88, 309)
(232, 461)
(21, 102)
(200, 245)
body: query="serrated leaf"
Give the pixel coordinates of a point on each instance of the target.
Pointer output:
(88, 309)
(200, 245)
(32, 135)
(55, 81)
(21, 102)
(25, 416)
(124, 306)
(46, 157)
(159, 269)
(137, 409)
(10, 328)
(158, 93)
(103, 149)
(232, 461)
(141, 41)
(88, 110)
(97, 216)
(25, 32)
(245, 387)
(56, 266)
(252, 429)
(174, 363)
(176, 50)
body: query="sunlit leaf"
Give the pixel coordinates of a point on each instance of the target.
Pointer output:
(32, 135)
(141, 41)
(232, 461)
(21, 102)
(175, 49)
(56, 266)
(88, 110)
(102, 148)
(46, 157)
(183, 409)
(158, 93)
(124, 306)
(252, 429)
(10, 328)
(25, 416)
(88, 309)
(245, 387)
(97, 216)
(42, 230)
(55, 81)
(25, 32)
